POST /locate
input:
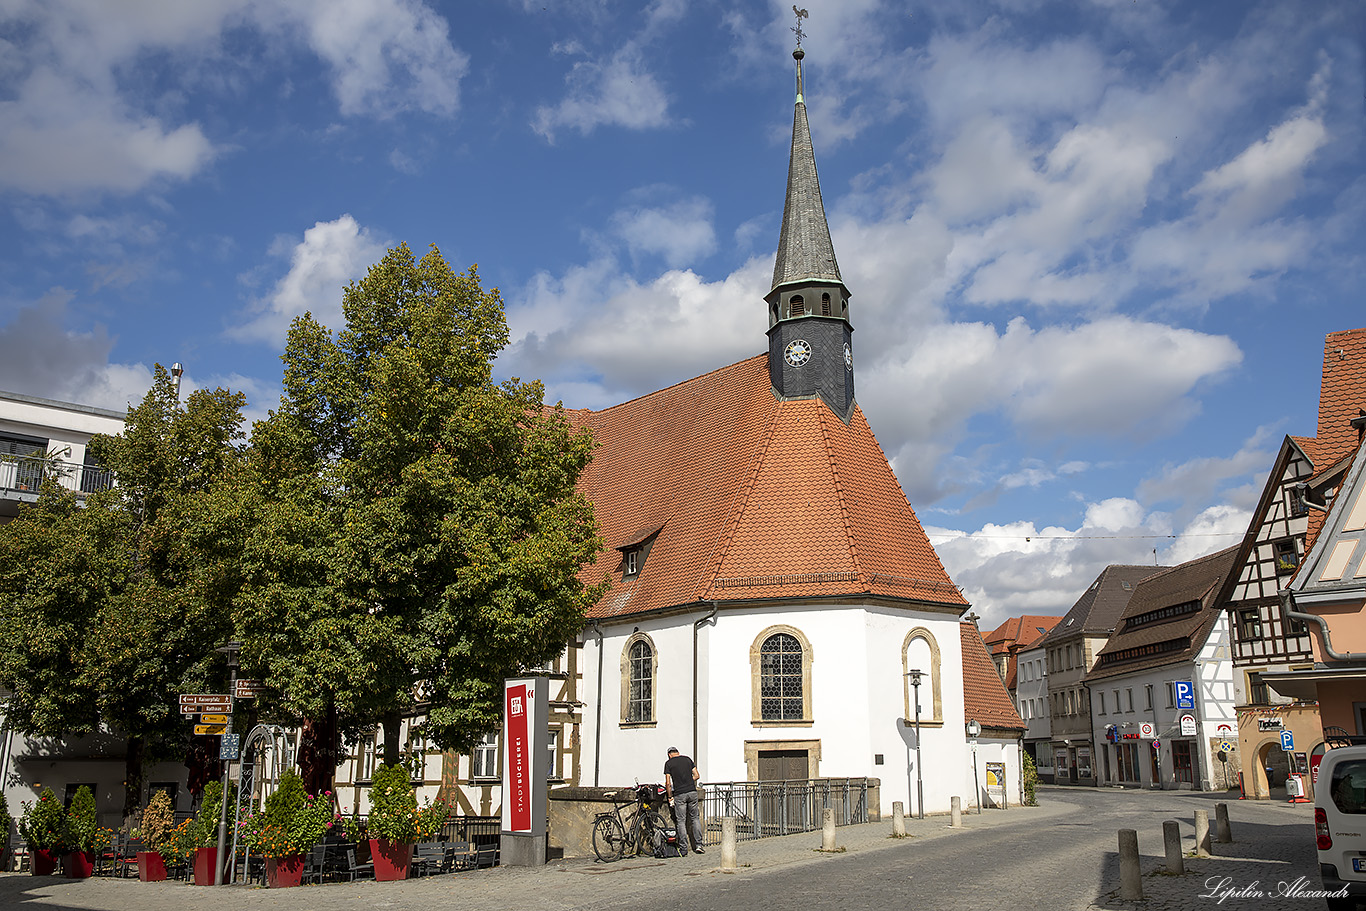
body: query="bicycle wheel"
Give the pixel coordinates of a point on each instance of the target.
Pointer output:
(609, 838)
(652, 836)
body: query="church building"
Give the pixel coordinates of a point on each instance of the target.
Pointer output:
(771, 587)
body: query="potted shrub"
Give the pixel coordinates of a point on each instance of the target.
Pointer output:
(293, 822)
(82, 836)
(202, 835)
(396, 822)
(158, 828)
(41, 826)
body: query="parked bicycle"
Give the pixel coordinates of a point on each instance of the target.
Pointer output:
(639, 832)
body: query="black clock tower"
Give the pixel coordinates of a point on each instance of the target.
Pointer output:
(810, 339)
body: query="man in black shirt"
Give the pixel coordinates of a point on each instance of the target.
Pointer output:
(680, 778)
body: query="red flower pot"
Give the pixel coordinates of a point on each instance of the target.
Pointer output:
(391, 859)
(205, 861)
(79, 865)
(283, 872)
(44, 861)
(151, 867)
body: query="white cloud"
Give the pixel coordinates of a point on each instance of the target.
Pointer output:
(385, 55)
(40, 356)
(331, 254)
(68, 124)
(618, 91)
(678, 232)
(1011, 569)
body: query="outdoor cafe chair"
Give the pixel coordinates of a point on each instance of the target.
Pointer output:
(352, 870)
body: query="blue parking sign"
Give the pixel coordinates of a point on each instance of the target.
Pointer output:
(1185, 694)
(1287, 741)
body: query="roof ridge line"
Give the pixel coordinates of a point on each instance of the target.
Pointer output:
(742, 496)
(691, 379)
(839, 493)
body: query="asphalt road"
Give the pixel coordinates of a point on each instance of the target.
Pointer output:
(1061, 855)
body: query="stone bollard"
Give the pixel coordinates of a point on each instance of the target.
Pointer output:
(1202, 833)
(828, 830)
(1130, 880)
(956, 812)
(728, 857)
(898, 820)
(1222, 825)
(1171, 839)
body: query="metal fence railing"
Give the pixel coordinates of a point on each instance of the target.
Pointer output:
(763, 809)
(25, 475)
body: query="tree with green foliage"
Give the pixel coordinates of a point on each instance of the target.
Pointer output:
(109, 611)
(416, 535)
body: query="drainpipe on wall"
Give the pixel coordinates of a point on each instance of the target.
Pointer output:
(697, 625)
(597, 725)
(1288, 602)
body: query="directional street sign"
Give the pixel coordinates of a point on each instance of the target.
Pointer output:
(1287, 741)
(211, 729)
(214, 719)
(195, 703)
(249, 689)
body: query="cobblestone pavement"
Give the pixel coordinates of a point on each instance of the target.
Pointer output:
(1273, 844)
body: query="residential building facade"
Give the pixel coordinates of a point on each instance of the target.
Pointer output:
(1161, 687)
(1070, 648)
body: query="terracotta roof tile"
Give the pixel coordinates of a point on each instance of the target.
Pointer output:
(1016, 634)
(752, 498)
(1342, 394)
(984, 695)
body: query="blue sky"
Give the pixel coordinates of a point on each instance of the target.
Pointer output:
(1093, 247)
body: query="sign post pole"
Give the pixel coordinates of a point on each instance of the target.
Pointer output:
(230, 650)
(525, 769)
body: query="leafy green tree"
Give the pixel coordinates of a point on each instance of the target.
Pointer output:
(417, 535)
(109, 611)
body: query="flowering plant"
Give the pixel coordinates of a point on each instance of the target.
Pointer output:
(43, 823)
(293, 822)
(181, 843)
(394, 813)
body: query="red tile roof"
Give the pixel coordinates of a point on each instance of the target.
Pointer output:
(1016, 634)
(751, 498)
(1342, 395)
(984, 695)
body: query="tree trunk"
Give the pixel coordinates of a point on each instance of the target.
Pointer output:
(392, 722)
(319, 748)
(132, 776)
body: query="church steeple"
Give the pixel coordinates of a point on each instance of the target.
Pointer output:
(810, 336)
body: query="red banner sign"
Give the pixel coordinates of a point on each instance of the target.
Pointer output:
(519, 758)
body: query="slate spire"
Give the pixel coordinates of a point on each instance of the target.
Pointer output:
(810, 343)
(804, 248)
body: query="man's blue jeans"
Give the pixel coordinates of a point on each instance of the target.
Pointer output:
(687, 820)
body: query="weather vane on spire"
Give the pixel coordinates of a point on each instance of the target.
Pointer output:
(801, 14)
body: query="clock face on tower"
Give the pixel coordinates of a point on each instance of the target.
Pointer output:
(848, 357)
(798, 352)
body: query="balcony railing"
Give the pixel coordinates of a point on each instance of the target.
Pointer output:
(22, 477)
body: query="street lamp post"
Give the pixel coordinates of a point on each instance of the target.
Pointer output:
(230, 649)
(974, 728)
(914, 674)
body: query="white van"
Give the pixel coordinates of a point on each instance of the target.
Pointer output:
(1340, 824)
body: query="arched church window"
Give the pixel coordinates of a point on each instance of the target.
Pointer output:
(638, 671)
(796, 306)
(920, 651)
(780, 678)
(825, 305)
